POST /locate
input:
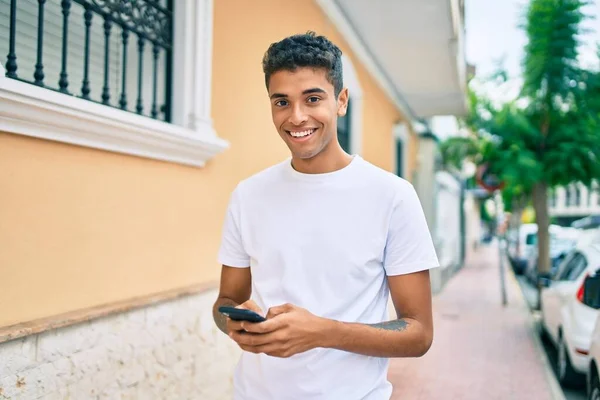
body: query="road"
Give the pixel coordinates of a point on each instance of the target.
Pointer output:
(530, 294)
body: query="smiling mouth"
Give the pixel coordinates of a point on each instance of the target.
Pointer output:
(301, 134)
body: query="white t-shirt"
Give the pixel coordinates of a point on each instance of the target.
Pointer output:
(323, 242)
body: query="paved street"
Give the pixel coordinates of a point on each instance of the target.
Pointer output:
(481, 349)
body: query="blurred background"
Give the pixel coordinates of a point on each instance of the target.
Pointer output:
(125, 125)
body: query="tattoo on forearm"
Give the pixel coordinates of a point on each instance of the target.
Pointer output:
(219, 318)
(395, 325)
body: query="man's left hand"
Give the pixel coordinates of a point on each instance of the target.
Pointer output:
(288, 330)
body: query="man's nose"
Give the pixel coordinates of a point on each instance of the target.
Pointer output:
(298, 116)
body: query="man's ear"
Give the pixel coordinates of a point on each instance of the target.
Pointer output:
(342, 102)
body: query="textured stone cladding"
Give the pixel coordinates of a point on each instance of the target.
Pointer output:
(170, 350)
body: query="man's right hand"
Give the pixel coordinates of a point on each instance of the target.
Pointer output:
(237, 325)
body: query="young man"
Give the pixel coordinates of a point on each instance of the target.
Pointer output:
(319, 241)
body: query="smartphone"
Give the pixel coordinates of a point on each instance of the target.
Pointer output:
(240, 314)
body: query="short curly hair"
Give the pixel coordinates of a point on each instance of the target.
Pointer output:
(305, 50)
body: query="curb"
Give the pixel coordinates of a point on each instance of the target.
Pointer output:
(533, 322)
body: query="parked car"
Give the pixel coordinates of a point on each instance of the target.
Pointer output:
(519, 245)
(562, 241)
(566, 318)
(592, 297)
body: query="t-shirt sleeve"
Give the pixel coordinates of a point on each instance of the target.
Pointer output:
(231, 252)
(409, 247)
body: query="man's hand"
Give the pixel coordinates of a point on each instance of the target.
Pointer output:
(288, 330)
(236, 326)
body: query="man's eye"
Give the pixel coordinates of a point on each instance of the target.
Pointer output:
(313, 99)
(281, 103)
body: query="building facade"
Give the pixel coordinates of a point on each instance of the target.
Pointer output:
(123, 131)
(570, 203)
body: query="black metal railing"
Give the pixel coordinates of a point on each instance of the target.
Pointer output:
(149, 21)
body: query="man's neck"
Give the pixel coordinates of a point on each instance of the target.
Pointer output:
(322, 163)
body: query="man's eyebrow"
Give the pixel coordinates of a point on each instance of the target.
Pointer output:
(307, 91)
(314, 90)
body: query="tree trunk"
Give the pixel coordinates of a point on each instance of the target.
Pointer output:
(540, 204)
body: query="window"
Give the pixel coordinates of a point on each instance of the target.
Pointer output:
(572, 268)
(399, 157)
(591, 296)
(531, 239)
(577, 196)
(97, 73)
(563, 264)
(553, 199)
(577, 269)
(401, 140)
(568, 196)
(343, 128)
(114, 53)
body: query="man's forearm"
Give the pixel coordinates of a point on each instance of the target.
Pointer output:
(398, 338)
(220, 319)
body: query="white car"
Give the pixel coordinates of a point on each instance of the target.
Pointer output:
(567, 320)
(592, 297)
(523, 247)
(520, 245)
(562, 241)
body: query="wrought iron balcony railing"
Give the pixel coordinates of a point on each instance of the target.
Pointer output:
(114, 52)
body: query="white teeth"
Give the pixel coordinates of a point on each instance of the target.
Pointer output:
(302, 133)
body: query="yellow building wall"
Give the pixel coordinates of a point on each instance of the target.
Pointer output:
(413, 148)
(238, 80)
(82, 227)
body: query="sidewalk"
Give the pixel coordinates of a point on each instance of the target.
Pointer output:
(481, 350)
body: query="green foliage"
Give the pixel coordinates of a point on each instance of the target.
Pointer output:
(510, 154)
(456, 149)
(550, 134)
(550, 64)
(514, 198)
(485, 216)
(500, 139)
(548, 137)
(563, 100)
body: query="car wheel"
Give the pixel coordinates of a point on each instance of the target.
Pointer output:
(567, 376)
(594, 391)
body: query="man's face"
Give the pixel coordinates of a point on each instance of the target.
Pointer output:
(305, 110)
